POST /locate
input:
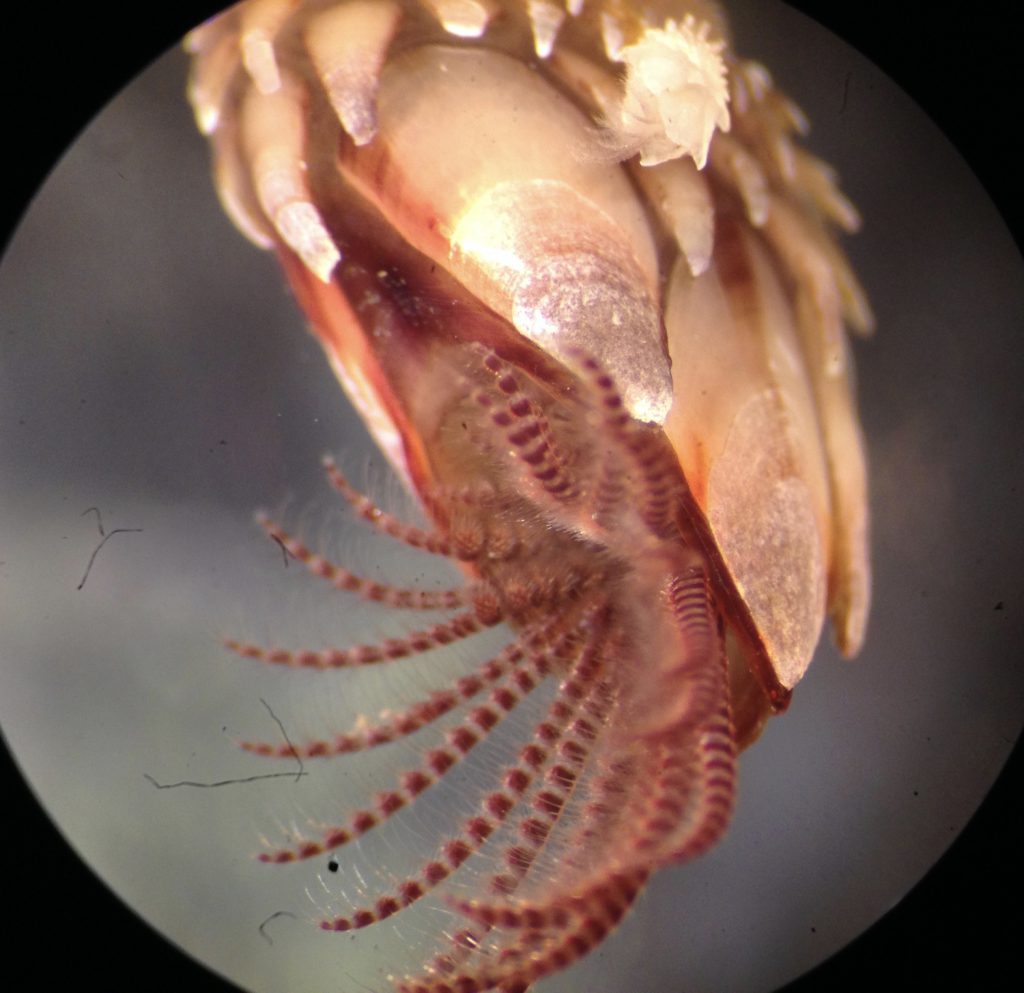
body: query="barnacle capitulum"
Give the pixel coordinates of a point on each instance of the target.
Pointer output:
(574, 270)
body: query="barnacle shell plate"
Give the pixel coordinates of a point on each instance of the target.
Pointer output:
(125, 681)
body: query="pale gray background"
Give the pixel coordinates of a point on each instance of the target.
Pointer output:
(153, 365)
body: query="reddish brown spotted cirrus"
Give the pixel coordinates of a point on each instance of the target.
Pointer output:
(575, 273)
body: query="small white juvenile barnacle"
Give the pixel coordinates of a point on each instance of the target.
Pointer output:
(675, 94)
(618, 385)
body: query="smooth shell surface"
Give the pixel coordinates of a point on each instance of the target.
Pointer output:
(913, 719)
